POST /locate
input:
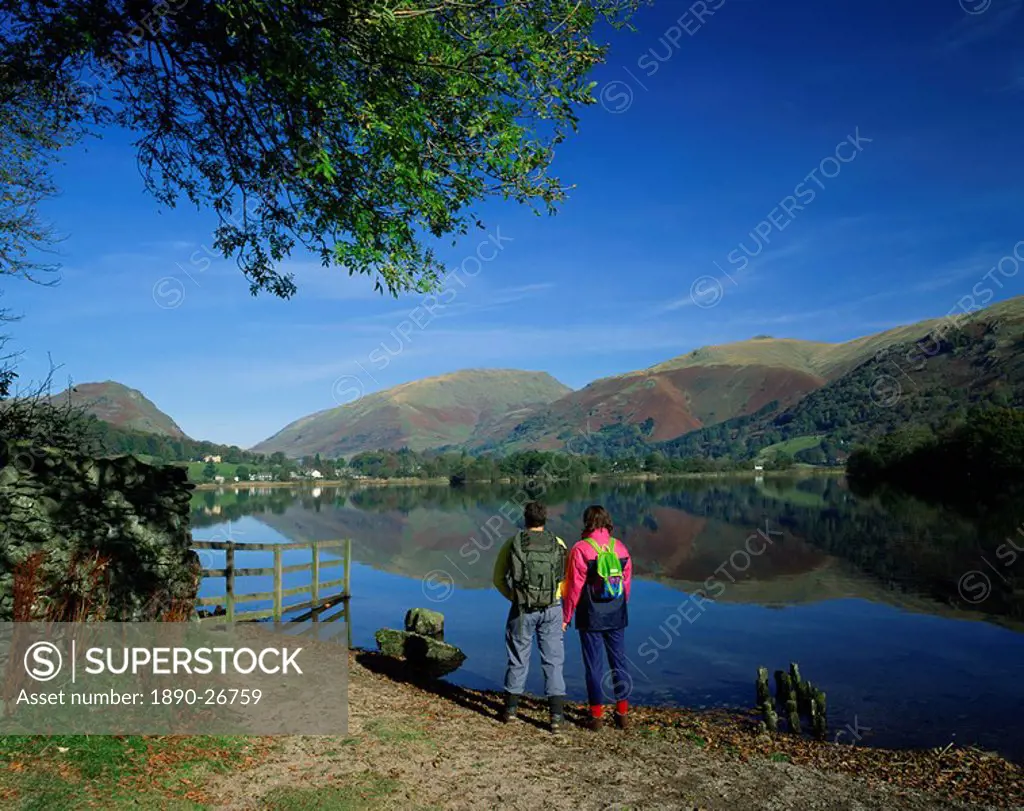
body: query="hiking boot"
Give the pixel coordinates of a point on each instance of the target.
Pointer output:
(593, 724)
(556, 705)
(621, 721)
(508, 712)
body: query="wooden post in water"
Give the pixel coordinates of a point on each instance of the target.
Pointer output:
(314, 585)
(229, 580)
(806, 699)
(771, 719)
(764, 693)
(783, 687)
(793, 716)
(278, 575)
(820, 717)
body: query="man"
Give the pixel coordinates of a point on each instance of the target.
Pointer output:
(529, 571)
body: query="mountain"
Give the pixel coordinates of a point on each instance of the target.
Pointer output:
(665, 404)
(429, 413)
(731, 400)
(934, 371)
(728, 385)
(122, 407)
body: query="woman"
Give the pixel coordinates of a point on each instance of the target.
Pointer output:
(597, 582)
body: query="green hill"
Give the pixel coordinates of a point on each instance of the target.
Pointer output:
(429, 413)
(122, 407)
(977, 362)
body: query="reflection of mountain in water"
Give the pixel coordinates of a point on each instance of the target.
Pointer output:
(679, 532)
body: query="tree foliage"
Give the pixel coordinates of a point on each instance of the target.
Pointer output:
(361, 130)
(977, 460)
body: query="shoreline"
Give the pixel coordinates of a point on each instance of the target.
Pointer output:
(443, 480)
(444, 747)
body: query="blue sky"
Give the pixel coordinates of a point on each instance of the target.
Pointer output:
(709, 129)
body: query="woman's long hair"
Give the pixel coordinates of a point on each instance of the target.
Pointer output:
(595, 517)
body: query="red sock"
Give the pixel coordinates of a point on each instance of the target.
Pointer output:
(621, 707)
(596, 710)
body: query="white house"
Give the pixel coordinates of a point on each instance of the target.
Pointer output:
(316, 474)
(219, 479)
(214, 459)
(758, 466)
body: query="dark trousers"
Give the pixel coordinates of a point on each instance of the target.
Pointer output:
(604, 686)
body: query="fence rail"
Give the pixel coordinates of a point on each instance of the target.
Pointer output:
(324, 595)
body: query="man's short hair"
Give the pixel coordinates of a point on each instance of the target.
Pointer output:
(535, 514)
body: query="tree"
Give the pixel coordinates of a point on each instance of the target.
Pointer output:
(243, 473)
(210, 471)
(357, 130)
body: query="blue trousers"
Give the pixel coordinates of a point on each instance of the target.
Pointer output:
(520, 629)
(605, 686)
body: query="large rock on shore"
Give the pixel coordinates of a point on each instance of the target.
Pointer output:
(423, 654)
(425, 622)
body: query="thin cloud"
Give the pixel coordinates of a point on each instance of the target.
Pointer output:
(970, 29)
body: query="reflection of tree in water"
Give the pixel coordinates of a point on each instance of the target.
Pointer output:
(235, 504)
(677, 529)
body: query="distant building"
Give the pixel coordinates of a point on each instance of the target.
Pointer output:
(316, 474)
(758, 466)
(214, 459)
(219, 479)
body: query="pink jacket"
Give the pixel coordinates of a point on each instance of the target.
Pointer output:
(576, 571)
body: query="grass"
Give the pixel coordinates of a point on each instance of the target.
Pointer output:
(225, 469)
(780, 757)
(696, 739)
(389, 732)
(65, 772)
(792, 446)
(365, 794)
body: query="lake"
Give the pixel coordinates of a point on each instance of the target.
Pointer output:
(905, 614)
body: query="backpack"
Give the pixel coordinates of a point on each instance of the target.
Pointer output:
(536, 566)
(609, 569)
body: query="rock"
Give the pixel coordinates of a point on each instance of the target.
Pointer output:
(425, 622)
(425, 655)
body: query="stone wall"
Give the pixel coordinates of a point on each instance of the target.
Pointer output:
(130, 516)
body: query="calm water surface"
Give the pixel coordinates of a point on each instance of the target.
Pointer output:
(888, 605)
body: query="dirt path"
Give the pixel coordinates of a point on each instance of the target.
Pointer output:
(409, 747)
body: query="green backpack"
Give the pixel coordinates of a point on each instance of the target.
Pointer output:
(536, 565)
(609, 569)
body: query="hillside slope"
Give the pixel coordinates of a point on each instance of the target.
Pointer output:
(429, 413)
(122, 407)
(666, 404)
(732, 385)
(979, 361)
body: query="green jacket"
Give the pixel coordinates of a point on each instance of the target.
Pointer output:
(501, 566)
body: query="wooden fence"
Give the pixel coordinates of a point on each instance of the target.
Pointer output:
(325, 596)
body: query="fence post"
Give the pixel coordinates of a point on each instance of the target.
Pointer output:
(229, 580)
(315, 585)
(277, 583)
(348, 567)
(348, 592)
